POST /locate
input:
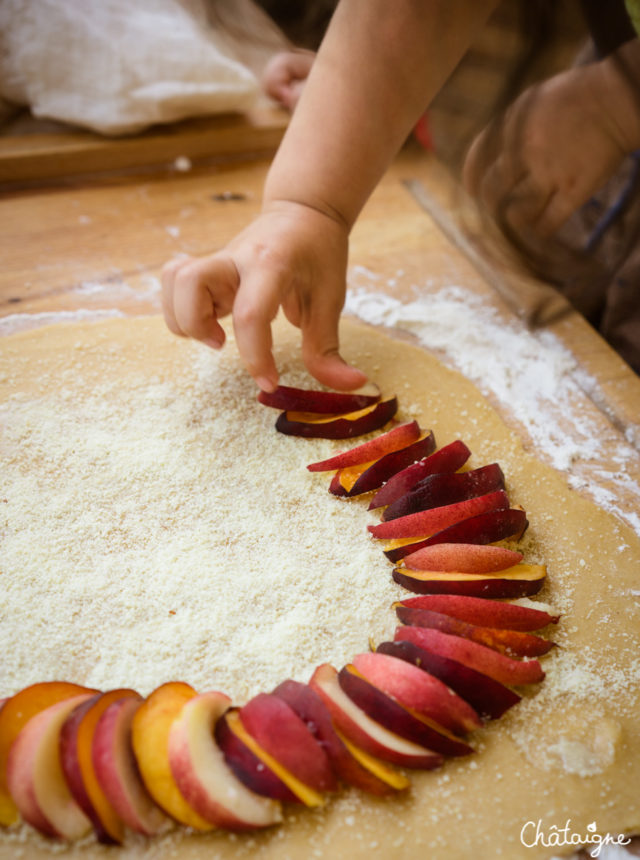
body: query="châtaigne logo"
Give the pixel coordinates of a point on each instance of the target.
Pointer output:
(535, 833)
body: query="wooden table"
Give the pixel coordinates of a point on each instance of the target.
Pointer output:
(86, 225)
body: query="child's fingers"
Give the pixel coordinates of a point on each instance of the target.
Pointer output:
(196, 293)
(255, 307)
(284, 76)
(321, 350)
(169, 271)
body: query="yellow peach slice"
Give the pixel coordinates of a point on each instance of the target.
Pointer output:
(384, 772)
(150, 738)
(77, 763)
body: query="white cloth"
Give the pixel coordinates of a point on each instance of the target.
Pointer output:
(117, 66)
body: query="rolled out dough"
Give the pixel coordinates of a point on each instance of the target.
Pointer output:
(569, 752)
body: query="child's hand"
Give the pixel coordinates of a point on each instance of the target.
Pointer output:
(292, 257)
(556, 145)
(285, 75)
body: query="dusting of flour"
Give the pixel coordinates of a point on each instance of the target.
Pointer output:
(529, 372)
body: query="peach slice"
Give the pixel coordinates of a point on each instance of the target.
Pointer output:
(279, 730)
(117, 771)
(418, 690)
(150, 738)
(15, 713)
(320, 402)
(381, 778)
(450, 458)
(427, 523)
(446, 488)
(393, 716)
(522, 580)
(202, 775)
(244, 761)
(463, 558)
(393, 440)
(475, 656)
(311, 426)
(509, 642)
(353, 765)
(483, 612)
(76, 741)
(300, 791)
(35, 778)
(489, 527)
(355, 480)
(358, 728)
(486, 696)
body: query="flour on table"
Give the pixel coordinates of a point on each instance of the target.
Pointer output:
(529, 372)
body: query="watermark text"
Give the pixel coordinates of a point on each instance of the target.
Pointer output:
(534, 833)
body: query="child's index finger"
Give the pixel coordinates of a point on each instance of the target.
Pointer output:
(256, 306)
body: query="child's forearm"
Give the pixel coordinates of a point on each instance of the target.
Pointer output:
(378, 68)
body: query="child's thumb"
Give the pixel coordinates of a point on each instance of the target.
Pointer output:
(321, 354)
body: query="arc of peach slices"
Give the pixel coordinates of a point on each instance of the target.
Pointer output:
(71, 757)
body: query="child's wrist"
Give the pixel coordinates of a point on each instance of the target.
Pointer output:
(283, 203)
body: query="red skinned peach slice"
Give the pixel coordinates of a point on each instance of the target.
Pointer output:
(483, 612)
(393, 440)
(418, 690)
(489, 527)
(35, 778)
(246, 763)
(522, 580)
(351, 764)
(393, 716)
(446, 488)
(352, 722)
(427, 523)
(150, 738)
(335, 487)
(356, 480)
(383, 779)
(509, 642)
(15, 713)
(202, 775)
(310, 426)
(488, 697)
(279, 730)
(117, 771)
(320, 402)
(450, 458)
(76, 742)
(475, 656)
(301, 792)
(463, 558)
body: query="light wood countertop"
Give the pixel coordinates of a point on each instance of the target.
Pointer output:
(86, 225)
